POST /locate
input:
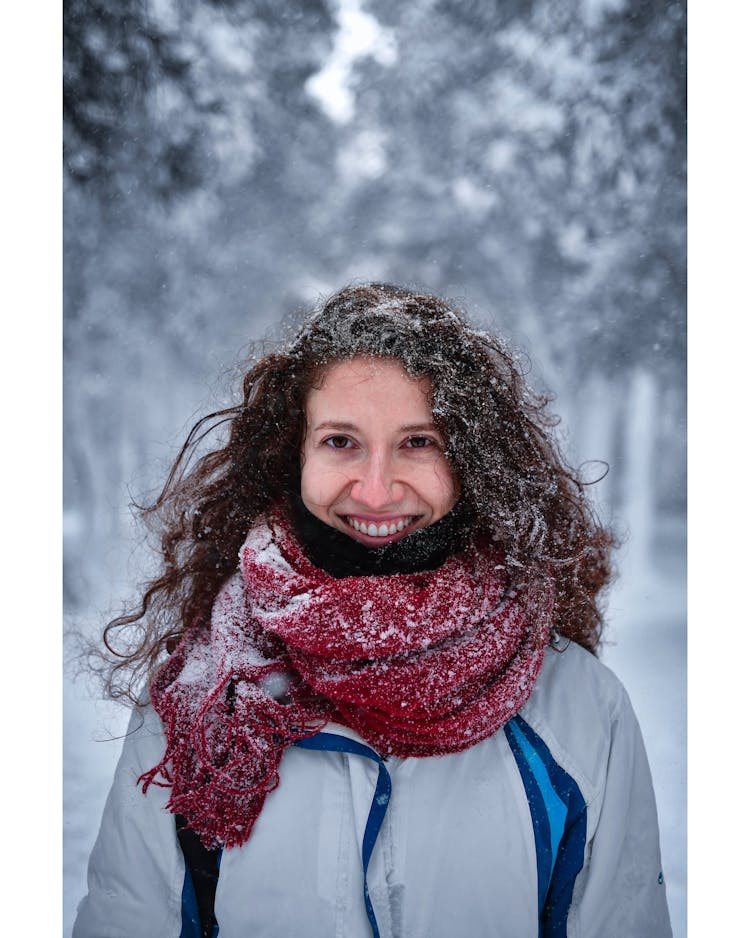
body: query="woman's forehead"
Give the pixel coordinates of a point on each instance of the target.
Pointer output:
(360, 381)
(376, 369)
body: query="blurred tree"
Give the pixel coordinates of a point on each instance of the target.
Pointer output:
(165, 96)
(114, 54)
(539, 153)
(186, 122)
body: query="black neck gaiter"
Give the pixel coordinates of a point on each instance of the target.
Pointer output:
(341, 556)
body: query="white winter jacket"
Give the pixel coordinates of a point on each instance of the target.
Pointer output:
(547, 828)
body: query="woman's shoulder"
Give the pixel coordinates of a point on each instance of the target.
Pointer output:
(576, 704)
(572, 676)
(144, 740)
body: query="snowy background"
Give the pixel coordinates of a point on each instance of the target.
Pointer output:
(228, 162)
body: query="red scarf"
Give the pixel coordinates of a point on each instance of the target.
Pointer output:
(418, 664)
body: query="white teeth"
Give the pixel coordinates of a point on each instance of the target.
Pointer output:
(382, 530)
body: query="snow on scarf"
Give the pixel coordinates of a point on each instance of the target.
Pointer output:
(418, 664)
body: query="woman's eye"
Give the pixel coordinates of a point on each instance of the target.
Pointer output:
(337, 442)
(420, 442)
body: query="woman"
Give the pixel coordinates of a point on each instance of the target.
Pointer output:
(389, 720)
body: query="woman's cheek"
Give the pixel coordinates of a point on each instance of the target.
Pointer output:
(320, 482)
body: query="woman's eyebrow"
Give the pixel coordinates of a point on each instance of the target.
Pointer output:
(349, 427)
(337, 425)
(417, 427)
(352, 427)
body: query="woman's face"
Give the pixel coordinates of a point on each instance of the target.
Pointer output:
(373, 462)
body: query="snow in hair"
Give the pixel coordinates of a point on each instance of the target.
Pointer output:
(516, 488)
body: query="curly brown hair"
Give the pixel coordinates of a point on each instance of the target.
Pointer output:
(515, 485)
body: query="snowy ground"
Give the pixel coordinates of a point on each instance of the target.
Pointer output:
(646, 648)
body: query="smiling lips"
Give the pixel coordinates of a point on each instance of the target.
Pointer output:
(383, 529)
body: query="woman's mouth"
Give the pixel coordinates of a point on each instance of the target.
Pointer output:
(384, 531)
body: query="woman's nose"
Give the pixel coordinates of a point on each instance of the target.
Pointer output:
(374, 487)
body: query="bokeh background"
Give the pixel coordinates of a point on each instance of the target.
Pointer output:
(228, 163)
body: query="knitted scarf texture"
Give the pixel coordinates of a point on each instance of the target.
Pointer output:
(418, 664)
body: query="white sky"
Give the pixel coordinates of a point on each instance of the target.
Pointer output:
(359, 35)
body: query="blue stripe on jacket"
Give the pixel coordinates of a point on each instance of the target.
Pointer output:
(558, 816)
(332, 742)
